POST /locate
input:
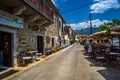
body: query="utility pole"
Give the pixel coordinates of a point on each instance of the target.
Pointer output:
(90, 23)
(81, 31)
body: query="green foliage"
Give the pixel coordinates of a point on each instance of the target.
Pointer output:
(116, 22)
(102, 28)
(107, 26)
(108, 31)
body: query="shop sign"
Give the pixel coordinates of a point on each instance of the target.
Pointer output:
(10, 20)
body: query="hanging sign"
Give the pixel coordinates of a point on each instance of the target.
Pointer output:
(10, 20)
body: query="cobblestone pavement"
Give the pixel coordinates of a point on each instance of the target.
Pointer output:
(69, 64)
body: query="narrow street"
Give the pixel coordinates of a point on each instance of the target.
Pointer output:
(69, 64)
(44, 40)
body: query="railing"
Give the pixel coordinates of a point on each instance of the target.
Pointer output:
(41, 8)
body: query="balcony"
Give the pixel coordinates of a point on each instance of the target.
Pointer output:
(40, 8)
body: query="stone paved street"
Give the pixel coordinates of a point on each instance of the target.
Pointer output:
(69, 64)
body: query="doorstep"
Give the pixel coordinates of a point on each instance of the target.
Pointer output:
(4, 69)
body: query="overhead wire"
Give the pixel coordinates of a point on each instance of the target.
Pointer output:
(79, 7)
(86, 6)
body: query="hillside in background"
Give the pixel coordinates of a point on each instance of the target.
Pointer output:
(86, 31)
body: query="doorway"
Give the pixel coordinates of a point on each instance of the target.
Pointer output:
(5, 49)
(40, 44)
(52, 42)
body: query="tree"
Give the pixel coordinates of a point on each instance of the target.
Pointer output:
(116, 22)
(107, 26)
(108, 31)
(102, 27)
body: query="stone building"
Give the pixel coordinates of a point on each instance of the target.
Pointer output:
(61, 25)
(71, 34)
(55, 32)
(52, 30)
(23, 26)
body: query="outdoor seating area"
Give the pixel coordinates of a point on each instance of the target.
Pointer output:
(48, 51)
(104, 49)
(25, 58)
(53, 50)
(104, 57)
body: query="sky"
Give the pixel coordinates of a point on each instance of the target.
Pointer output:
(76, 12)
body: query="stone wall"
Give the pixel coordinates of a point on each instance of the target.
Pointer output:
(27, 38)
(52, 32)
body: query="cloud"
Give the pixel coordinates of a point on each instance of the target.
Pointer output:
(55, 2)
(103, 5)
(81, 25)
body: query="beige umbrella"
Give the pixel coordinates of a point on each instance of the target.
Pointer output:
(101, 35)
(117, 29)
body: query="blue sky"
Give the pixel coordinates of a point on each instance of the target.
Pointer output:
(102, 11)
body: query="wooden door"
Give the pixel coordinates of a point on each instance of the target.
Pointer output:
(1, 47)
(52, 42)
(7, 49)
(40, 44)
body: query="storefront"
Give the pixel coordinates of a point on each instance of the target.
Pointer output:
(8, 42)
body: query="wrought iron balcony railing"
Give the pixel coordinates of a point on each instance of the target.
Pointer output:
(41, 8)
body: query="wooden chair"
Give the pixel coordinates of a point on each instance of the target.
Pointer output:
(48, 51)
(53, 50)
(114, 59)
(99, 56)
(38, 54)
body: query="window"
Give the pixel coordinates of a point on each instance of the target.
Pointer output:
(41, 1)
(59, 24)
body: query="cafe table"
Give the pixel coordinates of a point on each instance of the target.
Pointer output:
(114, 55)
(32, 53)
(117, 49)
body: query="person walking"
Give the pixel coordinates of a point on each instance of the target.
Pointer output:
(90, 49)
